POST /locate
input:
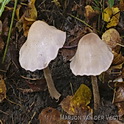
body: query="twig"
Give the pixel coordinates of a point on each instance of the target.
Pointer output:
(120, 44)
(32, 118)
(81, 21)
(69, 47)
(10, 30)
(3, 112)
(72, 91)
(1, 122)
(14, 103)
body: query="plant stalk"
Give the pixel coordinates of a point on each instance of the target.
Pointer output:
(10, 30)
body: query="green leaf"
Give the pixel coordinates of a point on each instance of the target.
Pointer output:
(2, 6)
(111, 3)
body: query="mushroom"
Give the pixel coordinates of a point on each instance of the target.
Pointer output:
(92, 57)
(41, 46)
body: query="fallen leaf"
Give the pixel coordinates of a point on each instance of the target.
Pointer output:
(118, 60)
(107, 13)
(84, 112)
(79, 101)
(120, 109)
(114, 122)
(66, 105)
(1, 44)
(57, 3)
(51, 116)
(116, 69)
(68, 53)
(1, 40)
(119, 94)
(90, 12)
(18, 11)
(69, 49)
(119, 98)
(5, 28)
(2, 89)
(3, 5)
(82, 96)
(111, 16)
(27, 18)
(121, 5)
(112, 38)
(37, 85)
(111, 3)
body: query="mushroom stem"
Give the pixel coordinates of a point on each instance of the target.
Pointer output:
(95, 92)
(51, 87)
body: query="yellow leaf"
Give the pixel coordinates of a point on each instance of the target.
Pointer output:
(106, 15)
(31, 13)
(111, 16)
(17, 11)
(2, 89)
(82, 96)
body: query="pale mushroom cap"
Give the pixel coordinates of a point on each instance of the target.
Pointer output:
(41, 46)
(92, 57)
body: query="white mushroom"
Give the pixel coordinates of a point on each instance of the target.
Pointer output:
(93, 57)
(41, 46)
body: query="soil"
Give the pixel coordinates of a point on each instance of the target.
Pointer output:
(27, 93)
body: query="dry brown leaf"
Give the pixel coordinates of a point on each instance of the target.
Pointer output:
(118, 60)
(120, 109)
(66, 104)
(119, 98)
(119, 95)
(114, 122)
(78, 102)
(115, 71)
(78, 111)
(1, 40)
(51, 116)
(1, 44)
(121, 5)
(90, 12)
(2, 89)
(5, 27)
(112, 38)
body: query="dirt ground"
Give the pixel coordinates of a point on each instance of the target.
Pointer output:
(27, 92)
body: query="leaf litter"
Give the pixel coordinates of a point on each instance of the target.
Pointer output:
(57, 13)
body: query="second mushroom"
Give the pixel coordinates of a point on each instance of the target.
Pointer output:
(41, 46)
(93, 57)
